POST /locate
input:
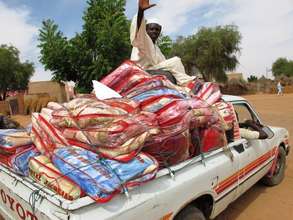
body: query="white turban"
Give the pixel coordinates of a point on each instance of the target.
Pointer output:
(153, 21)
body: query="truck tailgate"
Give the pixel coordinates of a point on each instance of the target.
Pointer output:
(16, 192)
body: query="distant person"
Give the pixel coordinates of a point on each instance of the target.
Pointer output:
(279, 88)
(252, 130)
(146, 53)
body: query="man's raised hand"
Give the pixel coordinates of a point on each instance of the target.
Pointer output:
(145, 4)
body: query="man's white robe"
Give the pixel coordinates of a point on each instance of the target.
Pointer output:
(149, 56)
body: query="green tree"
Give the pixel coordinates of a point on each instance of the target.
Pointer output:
(101, 46)
(282, 66)
(279, 66)
(14, 75)
(252, 78)
(165, 44)
(213, 51)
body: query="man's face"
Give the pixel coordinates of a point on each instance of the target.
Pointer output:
(154, 31)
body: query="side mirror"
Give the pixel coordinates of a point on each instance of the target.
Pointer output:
(268, 131)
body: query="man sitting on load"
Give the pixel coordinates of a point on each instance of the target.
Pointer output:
(146, 53)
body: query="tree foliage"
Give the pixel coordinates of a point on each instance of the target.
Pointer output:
(252, 78)
(165, 44)
(101, 46)
(14, 75)
(213, 51)
(282, 66)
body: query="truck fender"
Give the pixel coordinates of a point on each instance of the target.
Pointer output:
(204, 202)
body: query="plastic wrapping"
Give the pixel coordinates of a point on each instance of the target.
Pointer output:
(44, 172)
(125, 77)
(157, 92)
(45, 135)
(116, 133)
(207, 91)
(172, 150)
(212, 138)
(149, 84)
(101, 178)
(124, 152)
(80, 114)
(11, 139)
(227, 112)
(19, 162)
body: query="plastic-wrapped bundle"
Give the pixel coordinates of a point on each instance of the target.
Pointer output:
(207, 91)
(45, 135)
(157, 92)
(195, 86)
(125, 77)
(81, 114)
(156, 103)
(173, 113)
(11, 139)
(102, 178)
(210, 92)
(125, 104)
(213, 137)
(227, 112)
(124, 152)
(44, 172)
(116, 133)
(205, 117)
(170, 151)
(174, 116)
(20, 160)
(149, 84)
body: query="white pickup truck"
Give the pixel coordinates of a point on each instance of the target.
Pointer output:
(199, 188)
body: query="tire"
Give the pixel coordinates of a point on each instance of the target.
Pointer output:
(190, 213)
(279, 173)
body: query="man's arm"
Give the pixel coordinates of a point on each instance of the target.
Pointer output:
(257, 127)
(142, 6)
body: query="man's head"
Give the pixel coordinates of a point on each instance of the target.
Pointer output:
(153, 29)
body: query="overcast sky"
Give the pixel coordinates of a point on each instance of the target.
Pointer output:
(266, 25)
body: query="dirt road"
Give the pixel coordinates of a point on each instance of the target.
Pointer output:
(260, 202)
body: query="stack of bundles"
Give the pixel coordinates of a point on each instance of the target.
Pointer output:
(16, 149)
(157, 95)
(84, 112)
(177, 112)
(121, 139)
(102, 178)
(114, 128)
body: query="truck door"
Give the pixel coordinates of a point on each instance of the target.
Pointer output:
(227, 171)
(254, 160)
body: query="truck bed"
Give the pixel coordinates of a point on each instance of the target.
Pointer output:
(20, 198)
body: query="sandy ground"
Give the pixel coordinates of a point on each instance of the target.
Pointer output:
(261, 202)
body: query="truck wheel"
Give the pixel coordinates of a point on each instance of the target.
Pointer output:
(279, 173)
(190, 213)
